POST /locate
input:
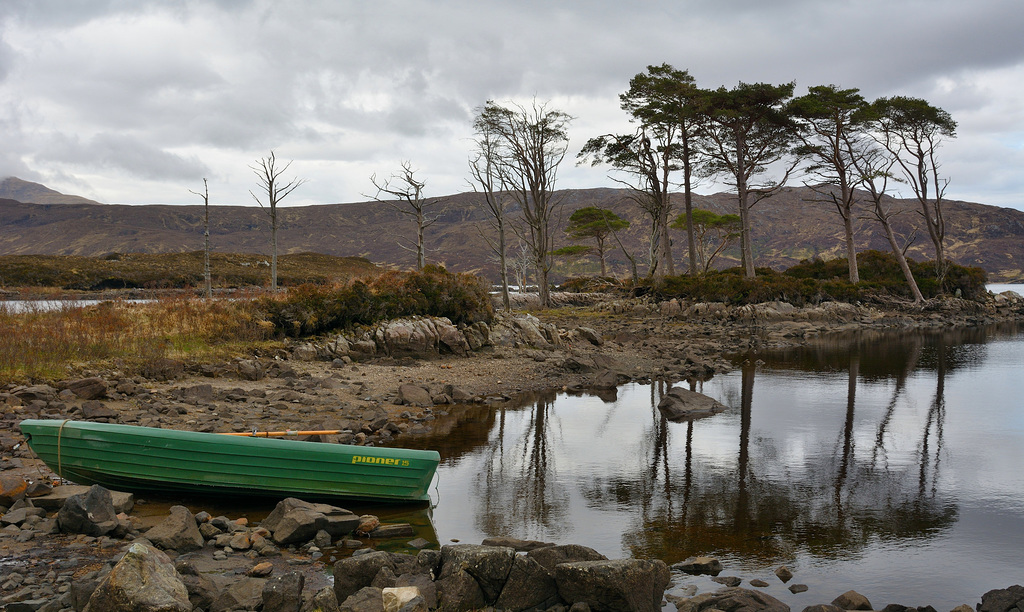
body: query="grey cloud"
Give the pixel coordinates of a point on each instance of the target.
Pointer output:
(127, 154)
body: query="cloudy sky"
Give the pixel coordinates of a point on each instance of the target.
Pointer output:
(136, 101)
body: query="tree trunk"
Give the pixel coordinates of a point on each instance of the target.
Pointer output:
(206, 253)
(845, 206)
(506, 301)
(746, 251)
(421, 259)
(851, 248)
(667, 265)
(273, 245)
(898, 252)
(688, 205)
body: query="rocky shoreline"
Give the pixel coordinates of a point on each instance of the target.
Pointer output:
(191, 562)
(404, 378)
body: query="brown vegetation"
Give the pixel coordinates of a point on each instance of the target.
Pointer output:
(174, 270)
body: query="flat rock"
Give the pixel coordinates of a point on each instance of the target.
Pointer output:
(517, 544)
(123, 502)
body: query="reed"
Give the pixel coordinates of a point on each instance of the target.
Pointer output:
(51, 343)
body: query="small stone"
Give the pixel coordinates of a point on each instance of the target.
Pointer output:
(757, 582)
(367, 523)
(418, 543)
(797, 588)
(784, 574)
(729, 581)
(700, 565)
(852, 600)
(261, 570)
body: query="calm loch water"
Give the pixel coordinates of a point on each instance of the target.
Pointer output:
(892, 464)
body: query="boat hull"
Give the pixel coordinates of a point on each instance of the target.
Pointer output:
(166, 461)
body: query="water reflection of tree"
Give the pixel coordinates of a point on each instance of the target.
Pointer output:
(832, 509)
(518, 491)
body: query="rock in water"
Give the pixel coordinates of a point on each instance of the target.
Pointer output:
(144, 579)
(625, 585)
(680, 404)
(852, 600)
(737, 598)
(1003, 600)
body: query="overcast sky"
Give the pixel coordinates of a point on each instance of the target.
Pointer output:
(136, 101)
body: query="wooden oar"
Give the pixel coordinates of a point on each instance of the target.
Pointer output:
(278, 434)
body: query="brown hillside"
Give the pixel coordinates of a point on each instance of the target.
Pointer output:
(786, 229)
(13, 188)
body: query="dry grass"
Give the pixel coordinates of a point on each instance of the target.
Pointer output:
(173, 270)
(42, 344)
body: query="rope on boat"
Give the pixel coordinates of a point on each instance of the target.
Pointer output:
(60, 431)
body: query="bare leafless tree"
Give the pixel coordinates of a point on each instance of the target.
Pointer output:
(205, 195)
(532, 143)
(485, 179)
(409, 201)
(276, 188)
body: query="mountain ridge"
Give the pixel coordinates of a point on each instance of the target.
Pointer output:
(786, 229)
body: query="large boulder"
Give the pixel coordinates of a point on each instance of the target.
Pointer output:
(283, 593)
(55, 499)
(90, 388)
(144, 580)
(408, 338)
(294, 520)
(91, 513)
(1010, 599)
(178, 532)
(12, 488)
(241, 594)
(369, 599)
(488, 565)
(529, 586)
(355, 573)
(680, 404)
(532, 332)
(551, 556)
(477, 335)
(323, 600)
(414, 395)
(626, 585)
(450, 339)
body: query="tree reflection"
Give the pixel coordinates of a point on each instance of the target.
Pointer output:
(831, 509)
(754, 492)
(518, 490)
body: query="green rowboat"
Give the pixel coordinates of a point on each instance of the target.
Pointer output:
(167, 461)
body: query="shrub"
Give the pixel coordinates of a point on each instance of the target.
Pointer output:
(815, 281)
(433, 291)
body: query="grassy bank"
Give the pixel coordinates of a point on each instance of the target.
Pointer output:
(42, 344)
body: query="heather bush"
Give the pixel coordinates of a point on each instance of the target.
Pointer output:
(433, 291)
(816, 281)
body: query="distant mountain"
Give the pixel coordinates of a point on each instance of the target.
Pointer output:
(13, 188)
(786, 229)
